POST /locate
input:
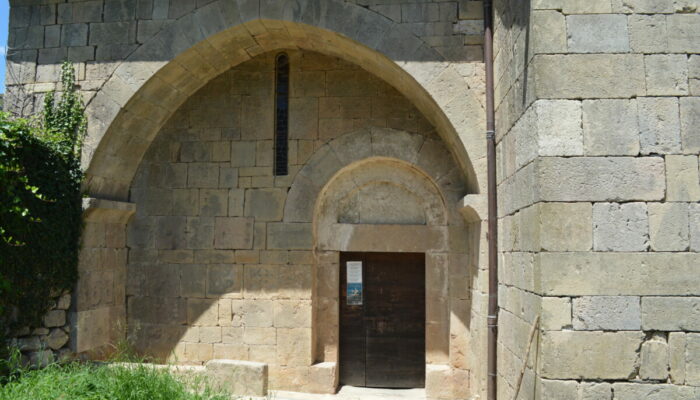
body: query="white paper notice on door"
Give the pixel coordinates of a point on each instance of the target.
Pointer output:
(354, 283)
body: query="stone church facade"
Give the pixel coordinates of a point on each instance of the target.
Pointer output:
(238, 150)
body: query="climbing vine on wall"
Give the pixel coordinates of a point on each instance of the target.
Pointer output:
(40, 206)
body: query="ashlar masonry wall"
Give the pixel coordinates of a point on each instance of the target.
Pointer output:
(222, 259)
(599, 194)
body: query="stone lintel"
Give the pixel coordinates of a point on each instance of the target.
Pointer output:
(110, 211)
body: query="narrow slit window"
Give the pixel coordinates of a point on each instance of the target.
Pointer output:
(281, 114)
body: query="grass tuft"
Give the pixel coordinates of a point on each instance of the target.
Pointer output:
(77, 381)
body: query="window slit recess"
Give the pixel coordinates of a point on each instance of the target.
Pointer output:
(281, 114)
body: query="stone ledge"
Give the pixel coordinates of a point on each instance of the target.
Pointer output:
(110, 211)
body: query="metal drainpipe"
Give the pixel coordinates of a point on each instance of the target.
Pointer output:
(492, 203)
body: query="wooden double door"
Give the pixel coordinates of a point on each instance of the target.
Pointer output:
(382, 319)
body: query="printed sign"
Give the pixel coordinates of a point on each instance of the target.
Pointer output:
(354, 283)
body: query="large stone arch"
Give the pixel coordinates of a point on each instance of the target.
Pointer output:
(141, 94)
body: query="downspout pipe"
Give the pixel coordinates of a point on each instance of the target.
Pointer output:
(492, 204)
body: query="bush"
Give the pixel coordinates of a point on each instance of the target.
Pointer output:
(40, 207)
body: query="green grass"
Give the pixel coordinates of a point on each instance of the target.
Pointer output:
(78, 381)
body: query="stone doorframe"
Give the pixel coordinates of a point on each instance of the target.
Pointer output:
(383, 190)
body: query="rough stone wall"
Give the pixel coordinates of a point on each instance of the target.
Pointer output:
(49, 341)
(599, 191)
(215, 269)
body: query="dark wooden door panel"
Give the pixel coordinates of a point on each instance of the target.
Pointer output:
(385, 336)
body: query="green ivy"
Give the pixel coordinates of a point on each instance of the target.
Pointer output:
(40, 206)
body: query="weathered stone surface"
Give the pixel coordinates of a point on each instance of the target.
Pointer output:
(57, 339)
(695, 227)
(690, 123)
(556, 313)
(654, 359)
(642, 6)
(608, 355)
(682, 178)
(676, 347)
(610, 127)
(63, 302)
(601, 179)
(289, 236)
(692, 360)
(595, 391)
(666, 74)
(55, 318)
(233, 233)
(558, 390)
(670, 313)
(578, 76)
(438, 382)
(565, 226)
(684, 33)
(636, 391)
(548, 32)
(648, 33)
(618, 274)
(659, 125)
(606, 313)
(265, 204)
(559, 128)
(604, 33)
(668, 226)
(241, 378)
(620, 227)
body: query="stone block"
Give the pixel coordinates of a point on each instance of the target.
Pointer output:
(682, 178)
(556, 313)
(671, 313)
(236, 201)
(198, 352)
(171, 233)
(565, 226)
(570, 77)
(648, 33)
(602, 33)
(610, 127)
(292, 314)
(601, 179)
(74, 34)
(618, 274)
(292, 236)
(265, 204)
(548, 32)
(654, 359)
(303, 118)
(438, 381)
(643, 6)
(620, 227)
(659, 125)
(55, 318)
(595, 391)
(636, 391)
(690, 123)
(243, 153)
(666, 74)
(683, 33)
(233, 233)
(470, 9)
(203, 175)
(695, 227)
(668, 226)
(260, 281)
(294, 346)
(225, 281)
(209, 334)
(608, 355)
(119, 10)
(202, 312)
(193, 280)
(558, 390)
(692, 359)
(259, 337)
(230, 351)
(110, 33)
(559, 128)
(323, 378)
(607, 313)
(185, 201)
(240, 378)
(88, 11)
(676, 350)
